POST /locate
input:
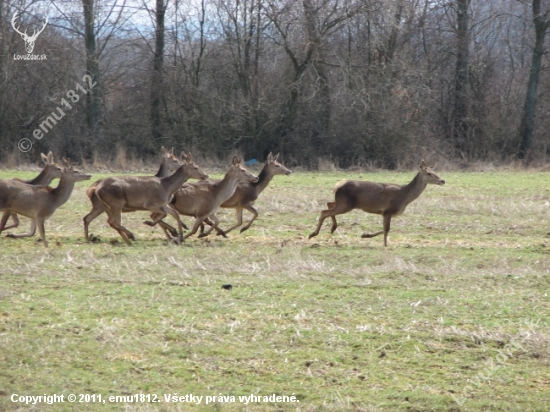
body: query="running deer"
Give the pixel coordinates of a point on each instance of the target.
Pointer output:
(50, 172)
(384, 199)
(246, 193)
(39, 202)
(202, 199)
(145, 193)
(168, 165)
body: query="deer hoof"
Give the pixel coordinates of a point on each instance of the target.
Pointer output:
(312, 235)
(11, 235)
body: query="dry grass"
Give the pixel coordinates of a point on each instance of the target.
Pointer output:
(337, 320)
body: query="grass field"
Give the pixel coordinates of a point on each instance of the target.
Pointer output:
(453, 315)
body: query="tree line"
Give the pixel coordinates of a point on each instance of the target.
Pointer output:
(354, 82)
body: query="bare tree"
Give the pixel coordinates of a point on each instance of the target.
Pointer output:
(92, 66)
(320, 20)
(156, 78)
(541, 21)
(460, 133)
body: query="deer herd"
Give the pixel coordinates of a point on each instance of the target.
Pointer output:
(169, 193)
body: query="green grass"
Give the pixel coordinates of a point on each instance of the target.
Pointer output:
(338, 321)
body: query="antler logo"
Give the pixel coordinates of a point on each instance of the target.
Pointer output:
(29, 40)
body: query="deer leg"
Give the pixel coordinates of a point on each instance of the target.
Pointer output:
(98, 208)
(5, 218)
(202, 226)
(113, 207)
(164, 226)
(160, 213)
(387, 220)
(239, 213)
(171, 230)
(32, 231)
(254, 216)
(386, 227)
(113, 220)
(128, 233)
(42, 231)
(196, 226)
(338, 209)
(219, 231)
(331, 205)
(213, 221)
(174, 213)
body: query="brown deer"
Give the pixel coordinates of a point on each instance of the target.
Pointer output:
(39, 202)
(145, 193)
(383, 199)
(168, 165)
(50, 172)
(202, 199)
(246, 193)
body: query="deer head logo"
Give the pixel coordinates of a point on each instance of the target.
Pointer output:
(29, 40)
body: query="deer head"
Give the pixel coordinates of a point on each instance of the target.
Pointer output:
(29, 40)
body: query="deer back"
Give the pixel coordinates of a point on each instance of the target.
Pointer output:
(131, 191)
(370, 197)
(26, 200)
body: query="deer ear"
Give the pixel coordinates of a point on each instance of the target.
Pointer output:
(172, 151)
(50, 157)
(276, 157)
(422, 165)
(163, 150)
(269, 158)
(189, 157)
(45, 158)
(183, 156)
(235, 161)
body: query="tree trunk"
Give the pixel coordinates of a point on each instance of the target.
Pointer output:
(392, 42)
(92, 68)
(156, 79)
(527, 125)
(314, 40)
(460, 133)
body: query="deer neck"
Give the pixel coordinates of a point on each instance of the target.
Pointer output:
(414, 189)
(173, 182)
(227, 186)
(163, 169)
(263, 180)
(41, 179)
(63, 190)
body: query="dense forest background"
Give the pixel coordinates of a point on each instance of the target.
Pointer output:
(352, 82)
